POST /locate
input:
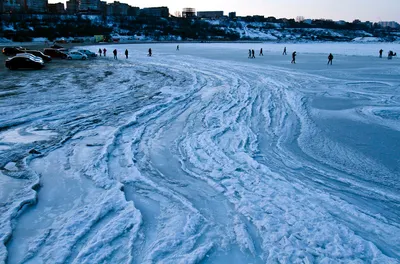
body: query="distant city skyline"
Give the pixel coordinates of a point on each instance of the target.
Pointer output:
(348, 10)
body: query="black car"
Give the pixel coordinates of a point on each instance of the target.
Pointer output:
(58, 47)
(55, 46)
(39, 54)
(10, 51)
(23, 63)
(55, 53)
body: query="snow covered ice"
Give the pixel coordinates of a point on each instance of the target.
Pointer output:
(203, 156)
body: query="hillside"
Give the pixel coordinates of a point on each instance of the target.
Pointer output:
(27, 27)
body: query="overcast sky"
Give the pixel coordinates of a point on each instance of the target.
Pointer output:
(372, 10)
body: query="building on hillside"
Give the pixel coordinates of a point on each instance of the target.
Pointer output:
(188, 12)
(117, 9)
(10, 6)
(57, 8)
(155, 11)
(87, 6)
(72, 6)
(389, 24)
(36, 6)
(341, 22)
(307, 21)
(258, 18)
(210, 14)
(133, 11)
(103, 8)
(232, 15)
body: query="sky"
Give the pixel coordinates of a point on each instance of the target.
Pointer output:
(371, 10)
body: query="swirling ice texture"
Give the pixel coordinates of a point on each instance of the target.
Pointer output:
(183, 159)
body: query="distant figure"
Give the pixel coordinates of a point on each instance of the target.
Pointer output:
(150, 53)
(261, 52)
(294, 57)
(252, 54)
(391, 55)
(126, 53)
(100, 52)
(380, 53)
(330, 58)
(249, 53)
(177, 47)
(104, 51)
(115, 54)
(284, 51)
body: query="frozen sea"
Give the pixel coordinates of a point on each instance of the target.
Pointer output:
(203, 156)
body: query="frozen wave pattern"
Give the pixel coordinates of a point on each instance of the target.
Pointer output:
(198, 160)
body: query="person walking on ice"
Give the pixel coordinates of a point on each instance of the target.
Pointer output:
(126, 53)
(150, 53)
(380, 53)
(391, 54)
(252, 54)
(115, 54)
(261, 52)
(249, 53)
(104, 51)
(284, 51)
(294, 57)
(330, 58)
(99, 52)
(177, 47)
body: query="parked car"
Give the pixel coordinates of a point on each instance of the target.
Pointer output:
(55, 53)
(11, 51)
(76, 55)
(40, 54)
(25, 62)
(77, 40)
(61, 40)
(88, 53)
(33, 57)
(58, 47)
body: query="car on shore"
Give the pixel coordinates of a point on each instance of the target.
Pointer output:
(11, 51)
(76, 55)
(33, 57)
(88, 53)
(58, 47)
(55, 53)
(77, 40)
(39, 54)
(23, 62)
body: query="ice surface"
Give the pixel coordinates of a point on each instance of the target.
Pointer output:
(25, 136)
(203, 156)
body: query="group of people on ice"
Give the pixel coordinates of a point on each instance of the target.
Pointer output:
(294, 54)
(103, 52)
(252, 53)
(391, 54)
(115, 52)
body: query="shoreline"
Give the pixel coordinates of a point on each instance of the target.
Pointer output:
(41, 45)
(70, 45)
